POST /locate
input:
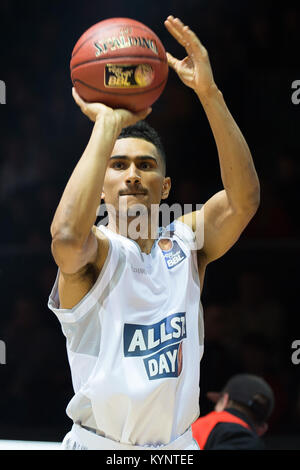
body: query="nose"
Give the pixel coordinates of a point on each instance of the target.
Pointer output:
(133, 176)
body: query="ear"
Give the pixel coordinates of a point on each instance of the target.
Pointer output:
(166, 187)
(222, 402)
(262, 429)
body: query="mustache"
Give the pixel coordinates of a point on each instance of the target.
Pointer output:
(124, 192)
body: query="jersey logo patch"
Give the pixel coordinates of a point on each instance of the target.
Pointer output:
(161, 343)
(174, 256)
(165, 363)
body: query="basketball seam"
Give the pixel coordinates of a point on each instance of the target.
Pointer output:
(107, 29)
(119, 57)
(119, 94)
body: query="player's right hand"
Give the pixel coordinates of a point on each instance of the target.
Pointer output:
(121, 117)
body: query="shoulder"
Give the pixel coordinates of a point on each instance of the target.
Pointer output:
(184, 231)
(94, 266)
(100, 234)
(103, 243)
(233, 436)
(74, 286)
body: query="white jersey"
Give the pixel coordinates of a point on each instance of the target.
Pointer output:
(135, 341)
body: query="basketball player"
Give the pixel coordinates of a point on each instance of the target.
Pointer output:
(130, 308)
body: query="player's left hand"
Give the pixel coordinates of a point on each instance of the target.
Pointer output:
(194, 70)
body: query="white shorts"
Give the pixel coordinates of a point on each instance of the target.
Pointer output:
(82, 439)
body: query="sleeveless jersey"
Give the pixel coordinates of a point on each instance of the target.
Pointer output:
(135, 341)
(202, 428)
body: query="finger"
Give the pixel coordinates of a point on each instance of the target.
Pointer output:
(77, 98)
(193, 43)
(144, 113)
(129, 118)
(172, 61)
(75, 94)
(176, 25)
(185, 36)
(140, 115)
(175, 30)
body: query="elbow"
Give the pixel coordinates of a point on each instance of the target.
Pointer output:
(248, 205)
(255, 199)
(64, 235)
(253, 203)
(64, 248)
(64, 231)
(56, 230)
(59, 242)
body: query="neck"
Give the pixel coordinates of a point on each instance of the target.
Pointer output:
(142, 230)
(145, 245)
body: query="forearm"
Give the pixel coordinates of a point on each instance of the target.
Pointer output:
(76, 212)
(238, 173)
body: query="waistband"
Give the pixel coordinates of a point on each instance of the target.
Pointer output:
(80, 438)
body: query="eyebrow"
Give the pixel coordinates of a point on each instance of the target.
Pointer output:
(139, 157)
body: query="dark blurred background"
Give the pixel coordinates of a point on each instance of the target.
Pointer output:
(250, 295)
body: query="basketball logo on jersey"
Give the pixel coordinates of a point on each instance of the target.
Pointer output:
(174, 255)
(159, 343)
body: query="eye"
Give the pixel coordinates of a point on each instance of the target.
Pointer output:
(145, 165)
(118, 165)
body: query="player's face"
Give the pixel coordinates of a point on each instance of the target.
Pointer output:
(135, 175)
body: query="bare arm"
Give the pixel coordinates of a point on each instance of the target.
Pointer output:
(228, 212)
(238, 173)
(74, 243)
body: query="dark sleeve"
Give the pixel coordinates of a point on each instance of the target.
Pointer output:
(232, 436)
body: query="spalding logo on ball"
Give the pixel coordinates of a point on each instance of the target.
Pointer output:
(119, 62)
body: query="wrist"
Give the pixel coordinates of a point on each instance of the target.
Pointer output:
(208, 93)
(108, 123)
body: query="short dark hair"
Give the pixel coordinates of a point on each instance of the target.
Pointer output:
(143, 130)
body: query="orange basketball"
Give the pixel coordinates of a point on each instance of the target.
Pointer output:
(119, 62)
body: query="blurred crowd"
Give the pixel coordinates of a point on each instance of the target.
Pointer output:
(249, 297)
